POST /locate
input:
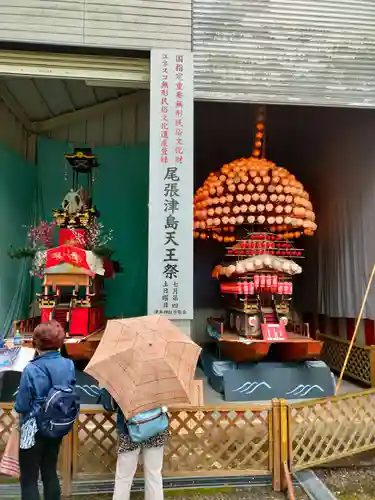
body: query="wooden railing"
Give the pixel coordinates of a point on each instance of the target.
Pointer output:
(330, 429)
(361, 363)
(227, 440)
(233, 440)
(206, 441)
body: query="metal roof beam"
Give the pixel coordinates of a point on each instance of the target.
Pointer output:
(15, 108)
(89, 112)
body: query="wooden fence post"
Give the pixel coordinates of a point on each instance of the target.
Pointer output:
(75, 449)
(276, 445)
(66, 469)
(372, 365)
(284, 442)
(280, 449)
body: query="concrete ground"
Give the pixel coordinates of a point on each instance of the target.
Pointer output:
(245, 494)
(354, 483)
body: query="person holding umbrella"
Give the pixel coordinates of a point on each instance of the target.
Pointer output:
(128, 454)
(143, 364)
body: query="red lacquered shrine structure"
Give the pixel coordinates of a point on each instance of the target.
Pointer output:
(257, 288)
(74, 271)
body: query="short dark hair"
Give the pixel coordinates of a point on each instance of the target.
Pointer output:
(48, 336)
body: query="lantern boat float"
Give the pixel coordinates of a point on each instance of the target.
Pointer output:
(261, 209)
(73, 272)
(256, 285)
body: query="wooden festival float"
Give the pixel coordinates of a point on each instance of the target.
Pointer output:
(74, 271)
(259, 211)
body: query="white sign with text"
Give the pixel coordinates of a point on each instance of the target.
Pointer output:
(170, 257)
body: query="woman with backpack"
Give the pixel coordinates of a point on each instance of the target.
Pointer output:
(47, 388)
(131, 444)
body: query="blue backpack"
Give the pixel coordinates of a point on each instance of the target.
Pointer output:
(59, 410)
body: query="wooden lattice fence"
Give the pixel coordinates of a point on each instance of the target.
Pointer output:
(204, 441)
(7, 421)
(361, 363)
(226, 440)
(321, 431)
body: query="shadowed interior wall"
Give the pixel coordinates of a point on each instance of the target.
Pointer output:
(17, 189)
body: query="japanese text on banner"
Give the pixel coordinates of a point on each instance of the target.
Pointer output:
(173, 286)
(171, 269)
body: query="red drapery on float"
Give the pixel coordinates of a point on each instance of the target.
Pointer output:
(67, 255)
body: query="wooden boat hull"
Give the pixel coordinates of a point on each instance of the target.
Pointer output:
(77, 348)
(299, 348)
(244, 350)
(242, 353)
(76, 351)
(82, 349)
(258, 350)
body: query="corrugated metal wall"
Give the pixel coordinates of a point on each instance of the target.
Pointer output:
(319, 52)
(138, 24)
(128, 125)
(12, 133)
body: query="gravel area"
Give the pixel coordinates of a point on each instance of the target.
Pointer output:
(354, 483)
(239, 494)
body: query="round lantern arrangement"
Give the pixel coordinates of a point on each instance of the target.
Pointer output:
(255, 192)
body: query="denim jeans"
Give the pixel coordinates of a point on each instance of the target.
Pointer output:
(42, 457)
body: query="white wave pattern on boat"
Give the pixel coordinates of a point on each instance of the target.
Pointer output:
(91, 390)
(249, 387)
(303, 390)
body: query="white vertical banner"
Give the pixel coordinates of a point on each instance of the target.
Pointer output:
(170, 250)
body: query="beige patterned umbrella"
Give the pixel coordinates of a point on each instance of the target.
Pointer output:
(145, 363)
